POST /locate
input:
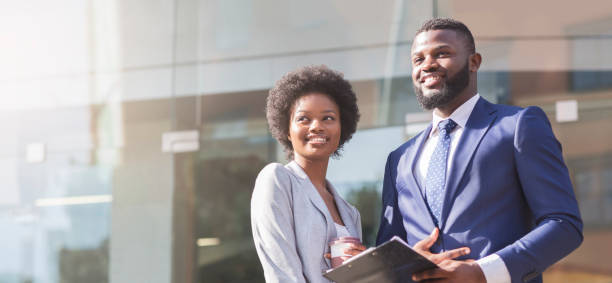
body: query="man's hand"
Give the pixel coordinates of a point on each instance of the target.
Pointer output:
(424, 245)
(453, 271)
(448, 270)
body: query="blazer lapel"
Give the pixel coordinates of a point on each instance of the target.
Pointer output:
(311, 191)
(345, 212)
(317, 201)
(478, 124)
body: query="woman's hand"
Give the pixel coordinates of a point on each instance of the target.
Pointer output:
(424, 245)
(351, 251)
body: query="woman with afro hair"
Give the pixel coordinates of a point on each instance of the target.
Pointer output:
(295, 211)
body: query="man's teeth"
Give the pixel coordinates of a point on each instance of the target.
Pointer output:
(431, 78)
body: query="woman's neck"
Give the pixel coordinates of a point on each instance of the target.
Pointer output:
(315, 169)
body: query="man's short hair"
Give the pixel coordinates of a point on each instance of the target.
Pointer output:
(450, 24)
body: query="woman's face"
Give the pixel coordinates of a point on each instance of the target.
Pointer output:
(314, 127)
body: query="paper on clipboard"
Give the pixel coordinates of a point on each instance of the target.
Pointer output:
(392, 261)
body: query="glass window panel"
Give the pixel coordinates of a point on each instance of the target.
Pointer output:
(106, 205)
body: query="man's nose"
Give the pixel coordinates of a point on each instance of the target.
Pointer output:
(430, 64)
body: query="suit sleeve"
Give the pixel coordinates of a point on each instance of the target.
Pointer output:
(548, 191)
(273, 226)
(391, 223)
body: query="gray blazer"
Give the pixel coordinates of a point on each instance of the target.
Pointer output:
(292, 226)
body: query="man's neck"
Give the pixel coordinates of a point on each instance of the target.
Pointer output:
(446, 110)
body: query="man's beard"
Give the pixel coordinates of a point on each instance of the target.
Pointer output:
(449, 90)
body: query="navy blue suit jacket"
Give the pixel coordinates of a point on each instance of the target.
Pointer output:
(508, 192)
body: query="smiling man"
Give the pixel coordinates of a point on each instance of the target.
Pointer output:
(484, 176)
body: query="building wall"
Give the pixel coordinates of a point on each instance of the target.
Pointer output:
(96, 84)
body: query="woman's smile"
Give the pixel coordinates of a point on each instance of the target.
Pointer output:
(317, 139)
(314, 128)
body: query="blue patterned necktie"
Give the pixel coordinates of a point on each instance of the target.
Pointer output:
(436, 172)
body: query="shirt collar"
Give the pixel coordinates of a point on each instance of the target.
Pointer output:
(459, 116)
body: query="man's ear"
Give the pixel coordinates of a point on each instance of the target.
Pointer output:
(475, 60)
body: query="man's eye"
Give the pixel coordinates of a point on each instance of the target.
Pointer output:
(417, 60)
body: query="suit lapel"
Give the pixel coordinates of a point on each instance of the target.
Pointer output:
(406, 170)
(478, 124)
(413, 157)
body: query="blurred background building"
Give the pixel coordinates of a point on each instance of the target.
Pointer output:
(132, 130)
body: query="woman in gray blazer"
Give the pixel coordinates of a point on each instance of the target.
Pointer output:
(295, 211)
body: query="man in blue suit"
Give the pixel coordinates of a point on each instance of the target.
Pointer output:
(484, 176)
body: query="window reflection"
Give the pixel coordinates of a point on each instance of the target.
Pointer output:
(113, 76)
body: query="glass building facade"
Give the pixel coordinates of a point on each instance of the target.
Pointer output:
(133, 130)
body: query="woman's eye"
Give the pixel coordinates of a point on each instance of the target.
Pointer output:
(301, 118)
(330, 118)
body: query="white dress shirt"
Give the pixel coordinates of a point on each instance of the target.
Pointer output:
(493, 267)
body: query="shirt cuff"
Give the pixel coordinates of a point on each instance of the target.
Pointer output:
(494, 269)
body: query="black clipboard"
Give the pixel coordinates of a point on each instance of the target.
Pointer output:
(392, 261)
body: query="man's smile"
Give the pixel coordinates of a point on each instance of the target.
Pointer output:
(430, 80)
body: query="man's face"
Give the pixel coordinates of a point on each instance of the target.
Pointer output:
(440, 67)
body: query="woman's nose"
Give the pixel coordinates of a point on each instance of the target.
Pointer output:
(316, 125)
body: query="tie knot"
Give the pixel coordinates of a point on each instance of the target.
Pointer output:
(446, 126)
